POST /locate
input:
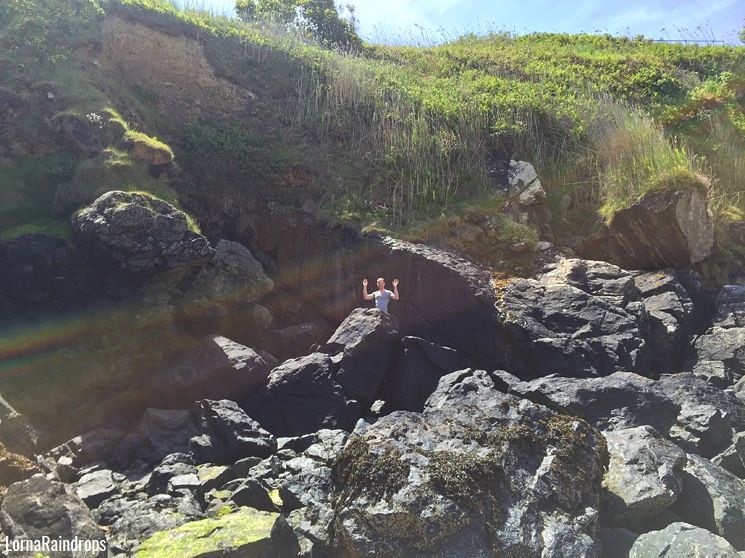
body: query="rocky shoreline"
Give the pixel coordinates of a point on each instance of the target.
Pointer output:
(586, 411)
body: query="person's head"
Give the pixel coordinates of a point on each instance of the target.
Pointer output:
(380, 283)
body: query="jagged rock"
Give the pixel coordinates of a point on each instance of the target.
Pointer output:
(251, 493)
(708, 416)
(37, 507)
(141, 235)
(560, 329)
(475, 474)
(188, 482)
(302, 397)
(415, 371)
(247, 533)
(217, 368)
(712, 498)
(669, 228)
(166, 432)
(364, 343)
(225, 286)
(17, 435)
(133, 520)
(733, 458)
(214, 477)
(644, 477)
(681, 540)
(621, 400)
(672, 318)
(78, 136)
(95, 487)
(718, 356)
(172, 466)
(14, 467)
(730, 307)
(229, 432)
(444, 299)
(91, 447)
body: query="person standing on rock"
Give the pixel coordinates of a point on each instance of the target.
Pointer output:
(382, 296)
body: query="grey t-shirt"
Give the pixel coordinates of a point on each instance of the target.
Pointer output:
(382, 299)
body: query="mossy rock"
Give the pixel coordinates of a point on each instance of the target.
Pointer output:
(245, 533)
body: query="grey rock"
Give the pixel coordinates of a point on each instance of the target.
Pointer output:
(681, 540)
(730, 307)
(712, 498)
(616, 542)
(217, 368)
(37, 507)
(214, 477)
(718, 356)
(189, 482)
(230, 434)
(301, 397)
(166, 431)
(252, 493)
(644, 477)
(413, 375)
(365, 343)
(95, 487)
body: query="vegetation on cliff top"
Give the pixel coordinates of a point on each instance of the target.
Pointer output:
(397, 136)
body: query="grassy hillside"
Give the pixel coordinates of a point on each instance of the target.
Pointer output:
(395, 138)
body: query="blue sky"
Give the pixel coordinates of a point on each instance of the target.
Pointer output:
(425, 21)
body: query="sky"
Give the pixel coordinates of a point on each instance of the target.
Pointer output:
(422, 22)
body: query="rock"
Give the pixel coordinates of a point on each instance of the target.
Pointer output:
(667, 228)
(247, 533)
(302, 397)
(134, 520)
(14, 467)
(616, 542)
(712, 498)
(718, 356)
(561, 329)
(167, 431)
(214, 477)
(231, 281)
(444, 299)
(365, 343)
(415, 371)
(621, 400)
(161, 475)
(95, 487)
(681, 540)
(90, 447)
(189, 482)
(232, 434)
(40, 273)
(78, 136)
(296, 340)
(708, 415)
(251, 493)
(141, 235)
(475, 474)
(672, 318)
(217, 368)
(37, 507)
(16, 433)
(644, 477)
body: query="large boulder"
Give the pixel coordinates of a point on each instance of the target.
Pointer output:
(301, 397)
(141, 235)
(39, 508)
(443, 298)
(364, 344)
(556, 327)
(216, 368)
(681, 540)
(230, 283)
(475, 474)
(668, 228)
(644, 477)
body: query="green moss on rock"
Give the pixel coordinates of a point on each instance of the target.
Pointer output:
(245, 533)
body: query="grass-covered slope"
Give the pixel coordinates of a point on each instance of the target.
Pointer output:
(391, 136)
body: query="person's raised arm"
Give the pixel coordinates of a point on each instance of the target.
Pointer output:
(395, 289)
(364, 291)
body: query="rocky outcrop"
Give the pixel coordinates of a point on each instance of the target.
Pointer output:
(442, 483)
(216, 368)
(444, 298)
(681, 540)
(140, 235)
(37, 508)
(663, 229)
